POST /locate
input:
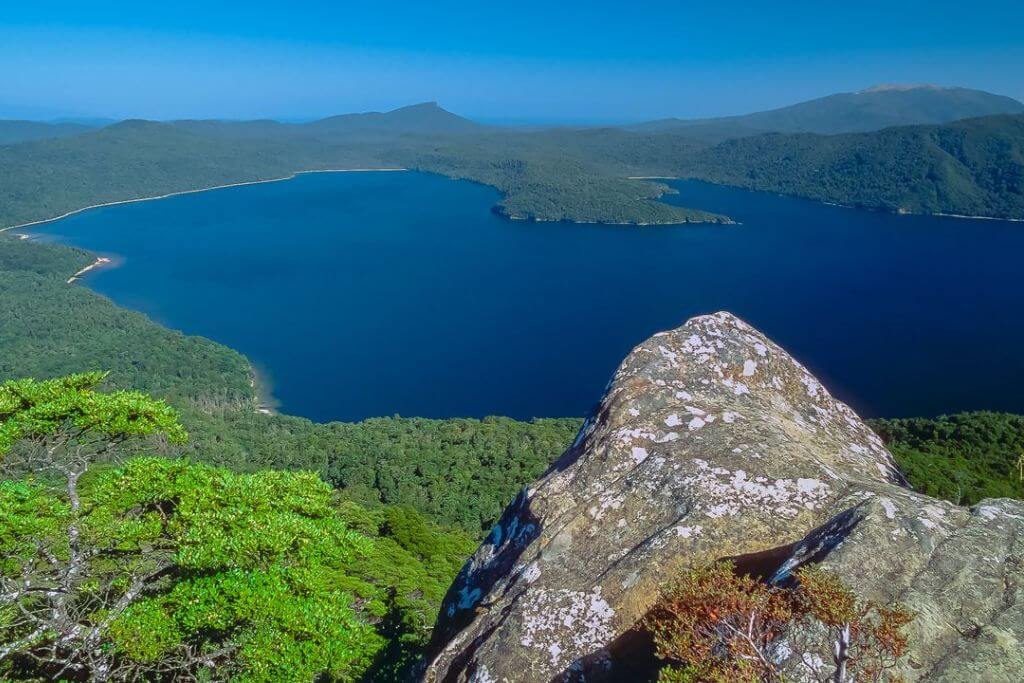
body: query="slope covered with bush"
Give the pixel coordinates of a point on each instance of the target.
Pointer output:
(163, 567)
(962, 458)
(459, 471)
(973, 167)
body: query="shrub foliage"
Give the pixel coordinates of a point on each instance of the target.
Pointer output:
(718, 626)
(162, 567)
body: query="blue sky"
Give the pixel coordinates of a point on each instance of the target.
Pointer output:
(531, 61)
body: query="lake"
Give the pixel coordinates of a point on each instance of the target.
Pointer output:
(364, 294)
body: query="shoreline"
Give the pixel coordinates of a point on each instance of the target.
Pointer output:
(265, 402)
(973, 218)
(897, 212)
(98, 263)
(531, 219)
(200, 189)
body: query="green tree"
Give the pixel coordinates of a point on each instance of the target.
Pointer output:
(163, 567)
(963, 458)
(62, 427)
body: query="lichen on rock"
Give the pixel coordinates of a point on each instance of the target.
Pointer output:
(712, 442)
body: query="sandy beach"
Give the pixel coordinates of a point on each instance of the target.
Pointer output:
(98, 263)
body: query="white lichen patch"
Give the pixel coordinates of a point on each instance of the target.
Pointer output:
(935, 516)
(688, 531)
(638, 454)
(749, 368)
(566, 624)
(738, 388)
(532, 572)
(813, 386)
(671, 356)
(481, 675)
(996, 510)
(695, 424)
(696, 346)
(673, 420)
(608, 501)
(725, 493)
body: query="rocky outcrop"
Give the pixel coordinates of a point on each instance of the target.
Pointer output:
(712, 442)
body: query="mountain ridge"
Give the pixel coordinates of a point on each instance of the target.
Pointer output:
(423, 117)
(972, 167)
(874, 108)
(15, 131)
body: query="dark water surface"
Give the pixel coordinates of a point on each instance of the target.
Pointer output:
(365, 294)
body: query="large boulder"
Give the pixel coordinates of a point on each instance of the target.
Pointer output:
(712, 442)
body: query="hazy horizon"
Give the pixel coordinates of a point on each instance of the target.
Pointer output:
(576, 62)
(509, 120)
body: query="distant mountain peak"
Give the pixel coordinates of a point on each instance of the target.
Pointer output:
(874, 108)
(423, 117)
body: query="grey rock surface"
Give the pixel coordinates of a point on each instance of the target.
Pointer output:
(712, 442)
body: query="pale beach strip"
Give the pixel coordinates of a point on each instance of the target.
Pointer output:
(201, 189)
(98, 263)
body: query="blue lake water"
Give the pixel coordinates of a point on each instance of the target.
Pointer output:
(363, 294)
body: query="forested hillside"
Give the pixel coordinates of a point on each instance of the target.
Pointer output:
(12, 132)
(579, 176)
(538, 176)
(962, 458)
(458, 472)
(136, 159)
(50, 328)
(135, 569)
(973, 167)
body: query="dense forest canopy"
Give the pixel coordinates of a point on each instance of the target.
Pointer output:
(970, 167)
(151, 567)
